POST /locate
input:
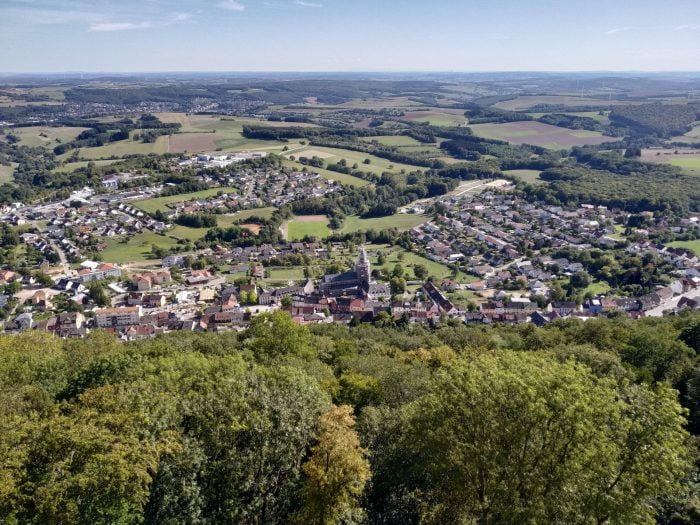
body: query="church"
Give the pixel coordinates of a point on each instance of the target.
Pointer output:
(356, 283)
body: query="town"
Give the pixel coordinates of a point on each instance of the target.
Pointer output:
(511, 261)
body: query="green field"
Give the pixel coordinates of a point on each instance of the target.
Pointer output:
(692, 136)
(137, 248)
(298, 230)
(595, 115)
(226, 133)
(122, 148)
(349, 180)
(529, 176)
(393, 140)
(693, 246)
(6, 173)
(33, 136)
(222, 221)
(401, 221)
(597, 288)
(437, 270)
(160, 203)
(72, 166)
(690, 165)
(540, 134)
(377, 165)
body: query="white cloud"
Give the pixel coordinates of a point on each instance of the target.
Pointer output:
(616, 30)
(307, 4)
(181, 17)
(687, 27)
(117, 26)
(231, 5)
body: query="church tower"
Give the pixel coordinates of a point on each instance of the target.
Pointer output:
(362, 269)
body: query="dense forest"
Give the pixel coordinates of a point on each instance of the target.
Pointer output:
(577, 423)
(664, 120)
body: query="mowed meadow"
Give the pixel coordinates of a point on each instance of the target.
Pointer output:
(540, 134)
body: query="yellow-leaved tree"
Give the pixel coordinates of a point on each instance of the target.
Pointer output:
(337, 471)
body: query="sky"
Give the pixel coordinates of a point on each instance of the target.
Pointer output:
(348, 35)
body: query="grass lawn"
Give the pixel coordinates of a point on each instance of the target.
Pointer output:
(437, 270)
(298, 230)
(377, 164)
(227, 220)
(348, 180)
(72, 166)
(619, 234)
(187, 233)
(137, 248)
(401, 221)
(294, 273)
(597, 287)
(694, 246)
(160, 203)
(6, 173)
(529, 176)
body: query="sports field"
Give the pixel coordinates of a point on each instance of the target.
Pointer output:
(401, 221)
(306, 226)
(539, 134)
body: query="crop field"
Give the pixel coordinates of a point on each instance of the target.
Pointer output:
(443, 117)
(209, 133)
(381, 102)
(330, 175)
(161, 203)
(136, 249)
(539, 134)
(305, 225)
(693, 246)
(400, 221)
(72, 166)
(50, 137)
(377, 165)
(687, 160)
(526, 102)
(529, 176)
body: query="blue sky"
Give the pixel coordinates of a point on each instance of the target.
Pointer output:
(349, 35)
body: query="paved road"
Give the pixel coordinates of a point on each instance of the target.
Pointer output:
(672, 303)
